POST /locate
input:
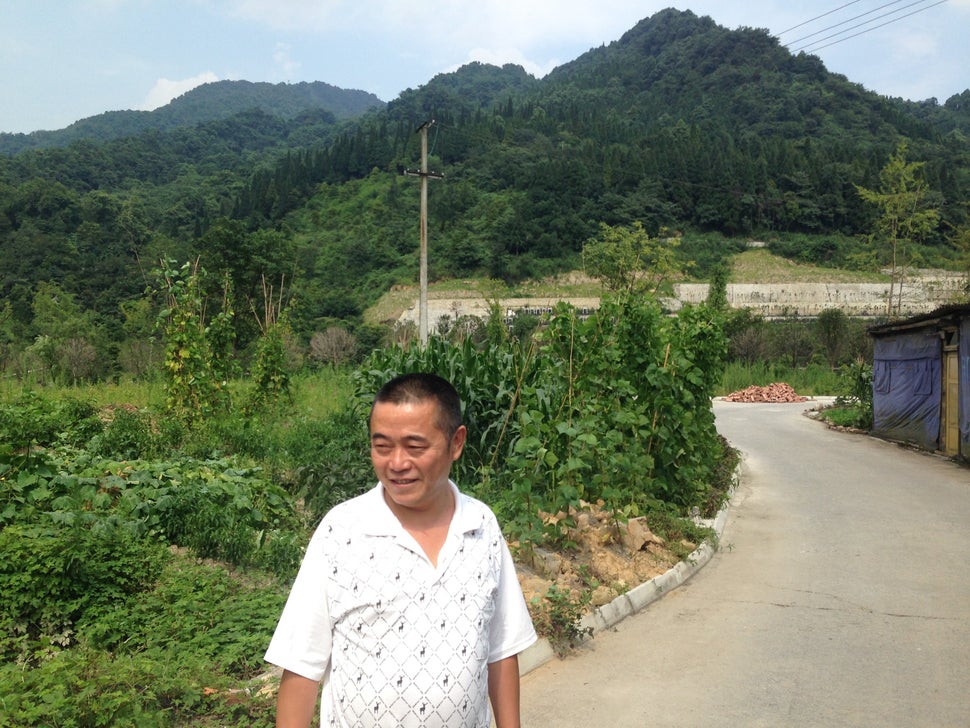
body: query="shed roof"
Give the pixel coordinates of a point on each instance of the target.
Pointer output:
(949, 314)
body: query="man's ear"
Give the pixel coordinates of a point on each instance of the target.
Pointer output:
(458, 442)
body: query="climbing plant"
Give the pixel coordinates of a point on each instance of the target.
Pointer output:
(194, 388)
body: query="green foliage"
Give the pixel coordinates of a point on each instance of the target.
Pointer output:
(808, 381)
(856, 394)
(109, 615)
(906, 216)
(558, 617)
(31, 421)
(195, 390)
(717, 295)
(220, 509)
(54, 576)
(333, 457)
(177, 653)
(128, 436)
(680, 124)
(682, 534)
(723, 480)
(628, 261)
(833, 332)
(793, 345)
(616, 407)
(67, 337)
(271, 377)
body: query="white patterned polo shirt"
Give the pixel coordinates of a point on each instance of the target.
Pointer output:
(396, 640)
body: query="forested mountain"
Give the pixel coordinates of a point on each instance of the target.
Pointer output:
(205, 103)
(679, 125)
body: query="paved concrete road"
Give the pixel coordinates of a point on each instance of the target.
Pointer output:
(840, 596)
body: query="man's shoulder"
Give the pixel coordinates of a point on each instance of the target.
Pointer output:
(476, 512)
(349, 513)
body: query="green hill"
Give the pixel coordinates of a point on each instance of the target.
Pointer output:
(206, 103)
(682, 125)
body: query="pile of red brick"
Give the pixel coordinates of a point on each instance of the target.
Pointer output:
(777, 392)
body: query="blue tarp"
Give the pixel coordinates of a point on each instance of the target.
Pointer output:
(906, 381)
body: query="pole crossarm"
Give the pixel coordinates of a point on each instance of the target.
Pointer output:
(419, 173)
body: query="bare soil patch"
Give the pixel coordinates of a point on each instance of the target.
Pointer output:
(605, 557)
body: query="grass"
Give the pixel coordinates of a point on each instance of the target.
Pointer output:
(392, 304)
(761, 266)
(844, 416)
(815, 380)
(758, 265)
(313, 394)
(142, 394)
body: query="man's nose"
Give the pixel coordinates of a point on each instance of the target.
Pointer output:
(399, 460)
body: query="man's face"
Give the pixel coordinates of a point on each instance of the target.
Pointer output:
(412, 456)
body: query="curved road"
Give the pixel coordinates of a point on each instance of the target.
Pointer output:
(840, 596)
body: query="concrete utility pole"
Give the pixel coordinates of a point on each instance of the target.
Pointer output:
(424, 174)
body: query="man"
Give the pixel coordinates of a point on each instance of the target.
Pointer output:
(407, 606)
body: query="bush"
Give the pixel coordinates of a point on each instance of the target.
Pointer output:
(52, 578)
(184, 654)
(128, 436)
(614, 408)
(30, 421)
(330, 459)
(855, 398)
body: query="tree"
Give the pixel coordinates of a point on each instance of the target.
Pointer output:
(717, 293)
(66, 335)
(961, 242)
(270, 373)
(832, 328)
(139, 353)
(628, 260)
(904, 216)
(336, 345)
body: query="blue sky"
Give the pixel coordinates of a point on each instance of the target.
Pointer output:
(64, 60)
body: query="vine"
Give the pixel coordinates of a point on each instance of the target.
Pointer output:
(194, 387)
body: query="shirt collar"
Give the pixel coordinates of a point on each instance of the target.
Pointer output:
(381, 521)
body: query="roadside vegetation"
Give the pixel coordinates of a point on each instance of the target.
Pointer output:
(145, 552)
(150, 528)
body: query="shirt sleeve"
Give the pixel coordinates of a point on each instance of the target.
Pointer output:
(303, 638)
(511, 630)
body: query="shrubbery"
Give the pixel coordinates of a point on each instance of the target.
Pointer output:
(145, 556)
(614, 408)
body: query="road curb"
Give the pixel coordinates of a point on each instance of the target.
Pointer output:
(638, 598)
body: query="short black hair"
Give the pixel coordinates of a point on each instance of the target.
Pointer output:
(420, 387)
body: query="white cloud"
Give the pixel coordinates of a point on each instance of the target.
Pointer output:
(285, 62)
(503, 23)
(165, 89)
(290, 15)
(918, 44)
(501, 56)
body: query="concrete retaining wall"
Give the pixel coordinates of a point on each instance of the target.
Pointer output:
(770, 300)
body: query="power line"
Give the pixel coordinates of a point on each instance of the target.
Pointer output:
(818, 17)
(867, 30)
(858, 25)
(854, 17)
